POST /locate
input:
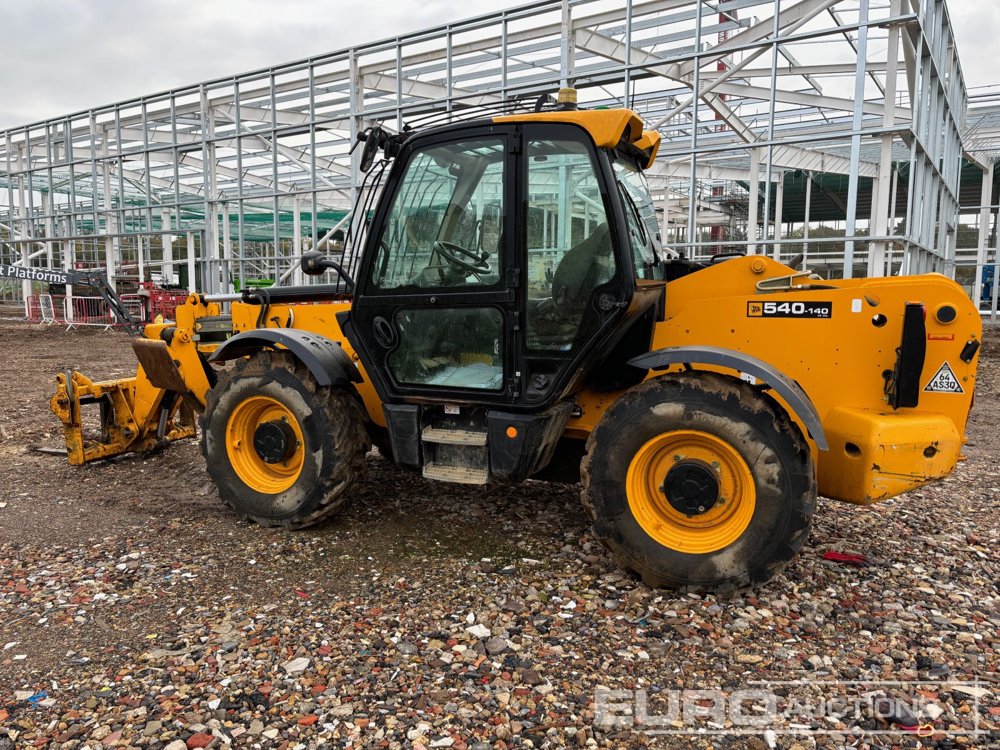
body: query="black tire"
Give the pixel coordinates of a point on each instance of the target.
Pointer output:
(755, 431)
(333, 441)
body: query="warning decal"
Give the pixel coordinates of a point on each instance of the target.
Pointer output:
(944, 381)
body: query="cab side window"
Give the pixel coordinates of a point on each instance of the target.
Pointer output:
(569, 244)
(643, 228)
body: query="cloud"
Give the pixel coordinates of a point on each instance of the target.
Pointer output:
(63, 56)
(975, 25)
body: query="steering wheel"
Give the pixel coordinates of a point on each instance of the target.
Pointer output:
(454, 254)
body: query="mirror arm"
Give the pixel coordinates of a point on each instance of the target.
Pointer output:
(315, 263)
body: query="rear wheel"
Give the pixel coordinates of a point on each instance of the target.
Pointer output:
(281, 449)
(697, 481)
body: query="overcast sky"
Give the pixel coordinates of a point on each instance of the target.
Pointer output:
(61, 56)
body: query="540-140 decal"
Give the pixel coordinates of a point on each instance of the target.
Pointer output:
(796, 309)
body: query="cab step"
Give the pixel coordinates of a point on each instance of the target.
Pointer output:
(457, 474)
(451, 436)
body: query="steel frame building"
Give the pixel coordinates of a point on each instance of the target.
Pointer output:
(763, 106)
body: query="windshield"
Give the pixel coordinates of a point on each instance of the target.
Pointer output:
(644, 229)
(444, 226)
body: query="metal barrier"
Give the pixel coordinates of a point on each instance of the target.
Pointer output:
(33, 309)
(77, 311)
(94, 311)
(47, 308)
(164, 302)
(87, 311)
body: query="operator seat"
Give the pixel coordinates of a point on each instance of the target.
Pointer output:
(555, 322)
(581, 270)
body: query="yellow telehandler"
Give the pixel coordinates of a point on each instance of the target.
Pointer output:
(511, 314)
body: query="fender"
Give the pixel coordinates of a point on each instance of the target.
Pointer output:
(325, 358)
(788, 389)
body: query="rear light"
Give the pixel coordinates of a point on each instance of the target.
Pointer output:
(945, 314)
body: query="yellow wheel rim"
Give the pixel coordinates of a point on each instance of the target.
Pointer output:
(722, 522)
(264, 476)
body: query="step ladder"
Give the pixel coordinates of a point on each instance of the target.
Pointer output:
(457, 454)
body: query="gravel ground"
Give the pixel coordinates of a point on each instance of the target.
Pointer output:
(136, 611)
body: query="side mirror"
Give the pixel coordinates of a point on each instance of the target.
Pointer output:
(312, 263)
(315, 263)
(374, 138)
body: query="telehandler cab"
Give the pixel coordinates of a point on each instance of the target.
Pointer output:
(513, 315)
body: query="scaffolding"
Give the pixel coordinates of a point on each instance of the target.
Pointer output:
(831, 128)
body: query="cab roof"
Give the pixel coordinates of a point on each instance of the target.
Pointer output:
(609, 128)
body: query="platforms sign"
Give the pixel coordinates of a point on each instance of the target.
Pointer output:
(944, 381)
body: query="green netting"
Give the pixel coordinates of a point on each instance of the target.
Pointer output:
(828, 199)
(257, 227)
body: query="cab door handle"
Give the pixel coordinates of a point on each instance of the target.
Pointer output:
(385, 334)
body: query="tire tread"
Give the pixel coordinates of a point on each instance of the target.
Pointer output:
(763, 409)
(341, 413)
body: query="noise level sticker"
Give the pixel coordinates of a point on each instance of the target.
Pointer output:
(944, 381)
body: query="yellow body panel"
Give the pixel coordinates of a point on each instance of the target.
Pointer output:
(605, 126)
(878, 454)
(839, 362)
(318, 318)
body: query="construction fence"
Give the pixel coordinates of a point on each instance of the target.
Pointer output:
(77, 311)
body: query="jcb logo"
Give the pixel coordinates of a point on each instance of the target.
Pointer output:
(790, 309)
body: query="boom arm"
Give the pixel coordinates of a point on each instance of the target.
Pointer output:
(98, 280)
(95, 279)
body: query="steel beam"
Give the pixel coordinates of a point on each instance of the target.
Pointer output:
(791, 157)
(280, 135)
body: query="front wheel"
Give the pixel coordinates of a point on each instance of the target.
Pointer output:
(697, 481)
(282, 450)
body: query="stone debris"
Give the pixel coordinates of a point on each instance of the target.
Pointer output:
(296, 666)
(479, 631)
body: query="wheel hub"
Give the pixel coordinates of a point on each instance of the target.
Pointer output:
(274, 441)
(691, 491)
(691, 487)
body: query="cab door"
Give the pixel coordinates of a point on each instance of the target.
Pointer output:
(578, 280)
(433, 310)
